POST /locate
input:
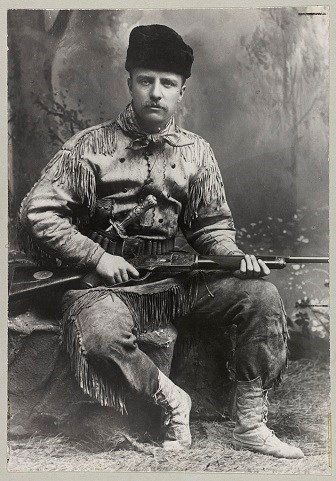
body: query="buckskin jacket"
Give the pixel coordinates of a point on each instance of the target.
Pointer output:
(103, 172)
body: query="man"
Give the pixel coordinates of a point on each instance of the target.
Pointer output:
(99, 176)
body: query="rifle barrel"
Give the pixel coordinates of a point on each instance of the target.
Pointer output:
(273, 262)
(230, 262)
(307, 260)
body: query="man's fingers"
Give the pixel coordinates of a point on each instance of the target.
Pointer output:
(265, 271)
(256, 266)
(124, 275)
(117, 278)
(115, 269)
(241, 274)
(249, 265)
(251, 268)
(132, 271)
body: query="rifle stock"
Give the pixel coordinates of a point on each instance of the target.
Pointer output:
(28, 281)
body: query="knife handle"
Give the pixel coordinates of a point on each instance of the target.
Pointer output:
(149, 202)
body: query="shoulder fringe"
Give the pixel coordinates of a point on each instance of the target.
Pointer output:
(79, 177)
(207, 188)
(74, 171)
(149, 311)
(90, 381)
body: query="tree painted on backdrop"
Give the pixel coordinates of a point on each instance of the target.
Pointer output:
(286, 59)
(31, 50)
(40, 118)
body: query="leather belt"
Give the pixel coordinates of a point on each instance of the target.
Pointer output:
(132, 246)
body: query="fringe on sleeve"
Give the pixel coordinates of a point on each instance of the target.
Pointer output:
(79, 177)
(206, 188)
(74, 172)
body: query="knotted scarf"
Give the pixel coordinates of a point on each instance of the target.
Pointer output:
(140, 139)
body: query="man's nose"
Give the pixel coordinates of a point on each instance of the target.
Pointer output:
(156, 92)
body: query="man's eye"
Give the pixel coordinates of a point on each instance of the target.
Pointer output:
(144, 82)
(168, 83)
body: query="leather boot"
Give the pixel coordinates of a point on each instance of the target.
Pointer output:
(251, 431)
(177, 405)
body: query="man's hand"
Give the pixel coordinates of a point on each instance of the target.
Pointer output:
(252, 268)
(114, 269)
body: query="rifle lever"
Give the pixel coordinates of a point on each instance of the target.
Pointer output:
(94, 280)
(134, 281)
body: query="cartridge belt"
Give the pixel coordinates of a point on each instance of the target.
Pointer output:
(132, 246)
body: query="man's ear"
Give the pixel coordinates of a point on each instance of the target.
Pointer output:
(182, 90)
(129, 84)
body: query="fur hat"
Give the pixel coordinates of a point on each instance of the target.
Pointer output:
(159, 47)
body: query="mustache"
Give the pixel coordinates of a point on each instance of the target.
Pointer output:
(152, 104)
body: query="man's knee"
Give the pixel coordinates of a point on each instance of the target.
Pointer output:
(262, 293)
(115, 345)
(106, 328)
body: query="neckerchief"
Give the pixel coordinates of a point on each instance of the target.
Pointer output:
(140, 139)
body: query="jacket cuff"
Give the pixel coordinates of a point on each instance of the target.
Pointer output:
(94, 257)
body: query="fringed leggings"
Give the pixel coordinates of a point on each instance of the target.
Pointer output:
(101, 327)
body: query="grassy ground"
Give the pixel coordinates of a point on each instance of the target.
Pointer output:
(298, 414)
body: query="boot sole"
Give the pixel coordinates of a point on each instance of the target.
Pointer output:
(175, 446)
(239, 446)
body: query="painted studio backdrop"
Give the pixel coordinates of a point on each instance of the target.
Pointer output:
(258, 93)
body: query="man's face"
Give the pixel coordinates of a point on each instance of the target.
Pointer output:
(155, 96)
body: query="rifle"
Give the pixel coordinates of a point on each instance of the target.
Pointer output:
(27, 281)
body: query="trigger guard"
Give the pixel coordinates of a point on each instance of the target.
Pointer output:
(143, 277)
(134, 281)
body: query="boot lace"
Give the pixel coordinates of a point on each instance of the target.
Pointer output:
(264, 411)
(166, 416)
(265, 405)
